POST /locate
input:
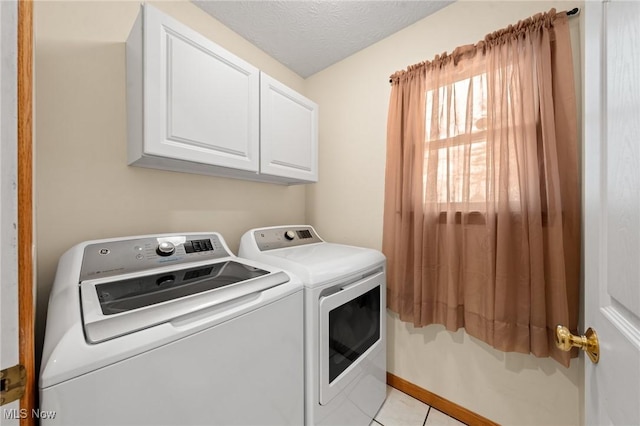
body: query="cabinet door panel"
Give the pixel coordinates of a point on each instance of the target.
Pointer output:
(205, 111)
(288, 132)
(201, 101)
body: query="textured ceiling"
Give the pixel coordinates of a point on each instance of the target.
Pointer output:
(308, 36)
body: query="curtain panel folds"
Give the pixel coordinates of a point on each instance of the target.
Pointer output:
(482, 194)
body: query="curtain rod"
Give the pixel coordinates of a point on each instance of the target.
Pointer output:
(570, 13)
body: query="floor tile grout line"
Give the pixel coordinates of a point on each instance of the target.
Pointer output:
(427, 416)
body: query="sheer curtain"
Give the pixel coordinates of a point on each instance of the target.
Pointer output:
(482, 197)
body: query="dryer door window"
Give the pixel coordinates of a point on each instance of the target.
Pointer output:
(350, 324)
(353, 328)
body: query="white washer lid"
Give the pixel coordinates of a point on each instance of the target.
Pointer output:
(322, 262)
(143, 301)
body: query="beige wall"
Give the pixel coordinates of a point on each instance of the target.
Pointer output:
(346, 206)
(84, 188)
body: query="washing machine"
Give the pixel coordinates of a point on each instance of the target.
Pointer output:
(344, 320)
(171, 329)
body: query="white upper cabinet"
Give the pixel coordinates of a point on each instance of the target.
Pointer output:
(196, 108)
(194, 101)
(288, 132)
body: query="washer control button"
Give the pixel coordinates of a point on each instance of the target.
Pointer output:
(165, 280)
(289, 235)
(165, 248)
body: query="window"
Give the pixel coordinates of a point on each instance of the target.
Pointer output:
(457, 155)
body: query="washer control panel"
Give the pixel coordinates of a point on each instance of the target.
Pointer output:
(119, 257)
(286, 236)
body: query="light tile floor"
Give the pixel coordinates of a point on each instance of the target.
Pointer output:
(400, 409)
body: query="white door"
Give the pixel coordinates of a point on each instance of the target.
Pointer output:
(8, 200)
(612, 210)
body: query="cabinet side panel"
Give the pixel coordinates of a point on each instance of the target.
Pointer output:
(134, 91)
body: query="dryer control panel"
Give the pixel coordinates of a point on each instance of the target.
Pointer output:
(117, 257)
(286, 236)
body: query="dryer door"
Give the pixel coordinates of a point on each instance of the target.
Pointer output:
(350, 331)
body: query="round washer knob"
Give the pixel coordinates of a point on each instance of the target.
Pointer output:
(165, 248)
(289, 235)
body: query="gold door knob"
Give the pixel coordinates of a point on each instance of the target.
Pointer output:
(588, 343)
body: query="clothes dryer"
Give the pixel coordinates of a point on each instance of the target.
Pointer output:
(345, 309)
(171, 329)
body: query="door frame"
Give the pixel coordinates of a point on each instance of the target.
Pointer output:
(26, 250)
